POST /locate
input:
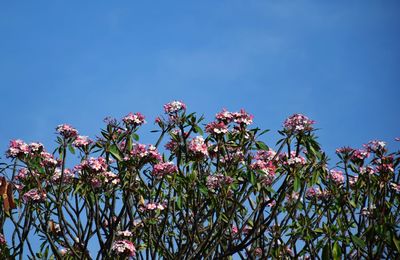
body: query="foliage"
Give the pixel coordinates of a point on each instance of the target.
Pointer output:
(211, 195)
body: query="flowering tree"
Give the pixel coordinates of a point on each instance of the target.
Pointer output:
(215, 195)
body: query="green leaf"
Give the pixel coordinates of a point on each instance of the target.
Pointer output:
(71, 149)
(261, 145)
(115, 152)
(326, 253)
(179, 202)
(135, 137)
(396, 242)
(297, 183)
(358, 241)
(198, 129)
(336, 251)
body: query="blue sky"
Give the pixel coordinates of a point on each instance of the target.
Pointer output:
(77, 62)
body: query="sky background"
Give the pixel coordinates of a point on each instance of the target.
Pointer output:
(77, 62)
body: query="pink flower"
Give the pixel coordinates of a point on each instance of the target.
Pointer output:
(235, 230)
(36, 147)
(125, 233)
(94, 164)
(198, 146)
(110, 177)
(375, 146)
(136, 119)
(81, 141)
(224, 116)
(258, 251)
(336, 176)
(359, 154)
(265, 155)
(243, 118)
(66, 131)
(123, 247)
(218, 181)
(17, 148)
(2, 239)
(34, 195)
(48, 159)
(313, 193)
(67, 176)
(164, 168)
(293, 160)
(174, 107)
(216, 128)
(298, 123)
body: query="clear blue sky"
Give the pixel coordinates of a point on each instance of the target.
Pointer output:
(79, 61)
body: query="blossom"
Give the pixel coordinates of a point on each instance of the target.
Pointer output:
(217, 181)
(367, 170)
(216, 128)
(36, 147)
(242, 117)
(67, 176)
(293, 159)
(298, 123)
(123, 247)
(17, 148)
(198, 146)
(359, 154)
(110, 177)
(336, 176)
(266, 167)
(67, 131)
(125, 233)
(164, 168)
(265, 155)
(94, 164)
(174, 107)
(136, 119)
(141, 151)
(81, 141)
(34, 195)
(225, 116)
(375, 146)
(312, 193)
(48, 159)
(2, 239)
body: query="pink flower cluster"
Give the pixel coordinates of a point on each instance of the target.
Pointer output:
(218, 181)
(66, 131)
(216, 128)
(367, 170)
(241, 117)
(174, 107)
(336, 176)
(153, 206)
(198, 146)
(141, 151)
(313, 193)
(48, 160)
(125, 233)
(164, 168)
(360, 154)
(67, 176)
(265, 155)
(2, 239)
(293, 159)
(34, 195)
(124, 248)
(375, 146)
(94, 164)
(135, 120)
(81, 141)
(298, 123)
(102, 178)
(17, 148)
